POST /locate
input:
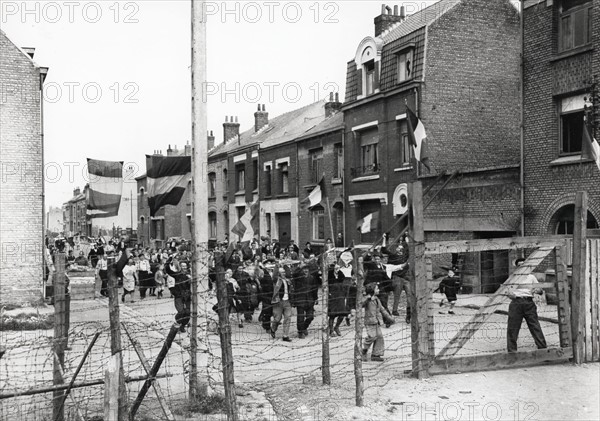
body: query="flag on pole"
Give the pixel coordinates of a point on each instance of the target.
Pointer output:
(590, 148)
(247, 226)
(368, 223)
(167, 178)
(105, 188)
(315, 197)
(418, 137)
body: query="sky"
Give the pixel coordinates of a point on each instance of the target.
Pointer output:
(119, 85)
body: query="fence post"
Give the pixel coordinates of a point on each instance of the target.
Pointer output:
(117, 374)
(420, 306)
(358, 322)
(225, 336)
(326, 374)
(60, 334)
(562, 293)
(578, 304)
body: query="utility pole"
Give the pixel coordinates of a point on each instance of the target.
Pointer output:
(199, 185)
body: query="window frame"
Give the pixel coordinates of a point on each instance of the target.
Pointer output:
(268, 180)
(212, 185)
(240, 178)
(338, 161)
(284, 177)
(569, 112)
(369, 72)
(318, 223)
(316, 159)
(404, 142)
(212, 225)
(408, 54)
(366, 152)
(587, 9)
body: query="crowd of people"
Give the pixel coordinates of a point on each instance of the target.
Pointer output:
(263, 275)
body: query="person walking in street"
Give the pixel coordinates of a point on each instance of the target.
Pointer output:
(282, 305)
(306, 291)
(102, 271)
(129, 279)
(522, 307)
(449, 286)
(398, 258)
(144, 275)
(337, 310)
(374, 317)
(265, 297)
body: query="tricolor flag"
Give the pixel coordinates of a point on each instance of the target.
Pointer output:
(590, 148)
(417, 136)
(247, 226)
(106, 186)
(315, 197)
(368, 223)
(168, 177)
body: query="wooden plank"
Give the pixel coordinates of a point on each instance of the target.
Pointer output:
(512, 243)
(578, 290)
(500, 360)
(492, 304)
(588, 305)
(156, 386)
(420, 318)
(562, 288)
(594, 281)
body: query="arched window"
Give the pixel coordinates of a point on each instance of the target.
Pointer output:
(212, 184)
(225, 181)
(212, 225)
(226, 221)
(318, 222)
(563, 220)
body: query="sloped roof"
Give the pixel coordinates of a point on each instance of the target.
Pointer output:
(335, 121)
(420, 19)
(283, 128)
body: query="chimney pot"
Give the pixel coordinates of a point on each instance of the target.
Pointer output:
(236, 119)
(396, 10)
(263, 107)
(337, 97)
(258, 107)
(383, 9)
(402, 12)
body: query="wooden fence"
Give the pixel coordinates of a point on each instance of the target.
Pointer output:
(591, 301)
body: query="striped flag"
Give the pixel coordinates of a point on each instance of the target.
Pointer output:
(418, 137)
(590, 148)
(315, 197)
(247, 226)
(168, 178)
(106, 186)
(368, 223)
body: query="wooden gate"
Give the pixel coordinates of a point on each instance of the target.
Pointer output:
(446, 360)
(590, 304)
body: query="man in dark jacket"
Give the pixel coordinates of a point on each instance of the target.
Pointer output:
(398, 256)
(305, 296)
(181, 291)
(265, 297)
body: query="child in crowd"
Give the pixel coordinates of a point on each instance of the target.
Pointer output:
(374, 316)
(159, 279)
(449, 286)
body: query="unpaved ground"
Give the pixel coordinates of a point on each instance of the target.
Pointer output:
(289, 374)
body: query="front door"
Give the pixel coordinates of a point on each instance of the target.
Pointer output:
(284, 227)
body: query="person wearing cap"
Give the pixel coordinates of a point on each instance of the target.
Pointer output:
(522, 307)
(449, 286)
(306, 292)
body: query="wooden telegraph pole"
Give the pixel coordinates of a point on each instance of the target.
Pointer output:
(60, 334)
(579, 279)
(199, 186)
(420, 305)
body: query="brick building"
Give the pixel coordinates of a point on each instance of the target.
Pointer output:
(456, 64)
(169, 221)
(320, 151)
(75, 219)
(561, 64)
(21, 191)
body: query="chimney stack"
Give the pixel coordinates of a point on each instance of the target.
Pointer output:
(387, 19)
(333, 105)
(76, 191)
(169, 151)
(231, 129)
(210, 139)
(261, 118)
(188, 149)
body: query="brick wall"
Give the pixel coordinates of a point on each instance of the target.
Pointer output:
(549, 187)
(470, 101)
(21, 212)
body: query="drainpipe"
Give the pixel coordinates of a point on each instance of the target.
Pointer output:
(522, 130)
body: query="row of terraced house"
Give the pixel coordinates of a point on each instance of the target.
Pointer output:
(458, 64)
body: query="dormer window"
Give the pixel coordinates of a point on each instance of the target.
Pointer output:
(405, 65)
(574, 24)
(369, 69)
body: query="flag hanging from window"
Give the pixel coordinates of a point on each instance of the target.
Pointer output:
(418, 137)
(105, 188)
(590, 148)
(247, 226)
(167, 178)
(315, 197)
(368, 223)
